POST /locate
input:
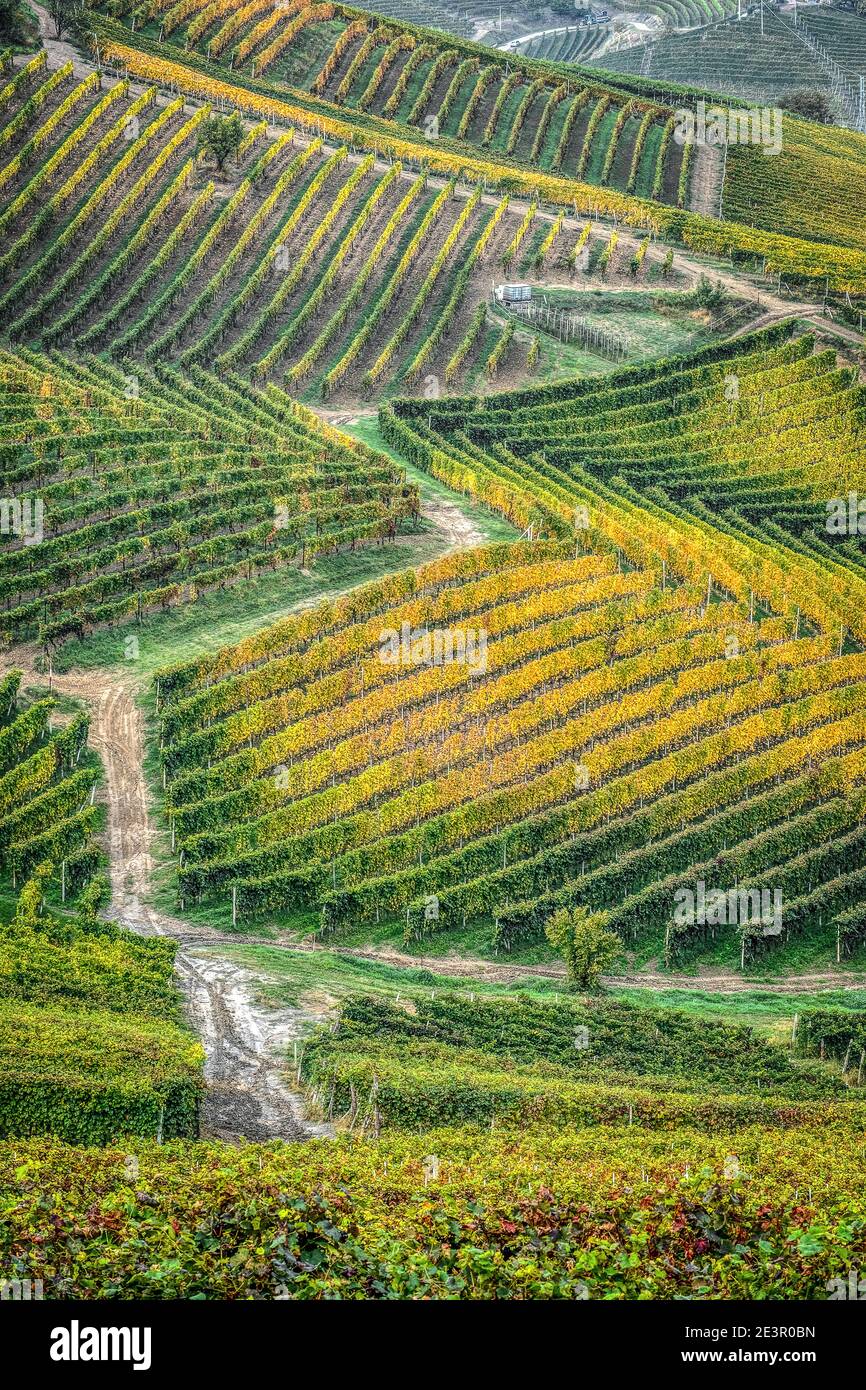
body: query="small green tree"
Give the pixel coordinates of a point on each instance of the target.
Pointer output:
(220, 137)
(69, 16)
(12, 21)
(810, 103)
(709, 295)
(584, 943)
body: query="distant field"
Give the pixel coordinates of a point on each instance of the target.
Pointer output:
(370, 66)
(740, 59)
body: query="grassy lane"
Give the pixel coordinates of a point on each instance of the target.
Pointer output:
(228, 615)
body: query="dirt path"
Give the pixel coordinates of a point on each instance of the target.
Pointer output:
(706, 185)
(246, 1092)
(447, 516)
(714, 981)
(58, 50)
(245, 1042)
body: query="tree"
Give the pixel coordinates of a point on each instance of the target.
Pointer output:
(584, 943)
(810, 103)
(9, 17)
(69, 16)
(220, 136)
(709, 296)
(16, 24)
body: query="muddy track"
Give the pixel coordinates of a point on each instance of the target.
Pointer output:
(246, 1093)
(245, 1041)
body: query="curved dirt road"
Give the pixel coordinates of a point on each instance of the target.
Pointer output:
(245, 1042)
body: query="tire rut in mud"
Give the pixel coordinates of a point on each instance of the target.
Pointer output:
(246, 1096)
(246, 1041)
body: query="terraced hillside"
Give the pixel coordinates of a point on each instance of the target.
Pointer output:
(683, 14)
(811, 187)
(429, 13)
(47, 815)
(599, 148)
(151, 489)
(842, 35)
(646, 679)
(123, 240)
(371, 66)
(700, 420)
(589, 42)
(570, 44)
(752, 59)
